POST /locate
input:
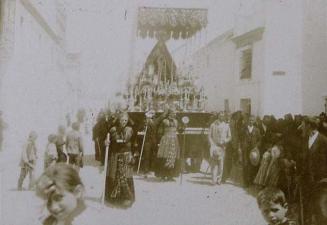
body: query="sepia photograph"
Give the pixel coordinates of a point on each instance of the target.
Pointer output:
(163, 112)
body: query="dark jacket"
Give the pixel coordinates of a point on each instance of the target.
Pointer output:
(316, 160)
(266, 137)
(152, 128)
(250, 140)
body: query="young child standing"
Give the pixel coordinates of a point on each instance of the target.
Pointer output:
(273, 206)
(50, 155)
(28, 161)
(75, 147)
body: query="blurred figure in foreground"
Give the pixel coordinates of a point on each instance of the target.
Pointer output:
(62, 189)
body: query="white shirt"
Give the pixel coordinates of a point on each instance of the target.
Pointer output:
(52, 150)
(312, 139)
(264, 127)
(74, 142)
(219, 133)
(250, 128)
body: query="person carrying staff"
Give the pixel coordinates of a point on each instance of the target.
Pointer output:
(119, 189)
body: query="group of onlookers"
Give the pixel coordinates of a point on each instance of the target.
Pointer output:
(282, 161)
(288, 154)
(60, 185)
(63, 146)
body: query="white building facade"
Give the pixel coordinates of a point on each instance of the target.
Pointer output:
(36, 90)
(271, 62)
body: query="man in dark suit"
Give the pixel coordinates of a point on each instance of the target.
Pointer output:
(316, 153)
(266, 132)
(251, 138)
(150, 142)
(100, 132)
(314, 162)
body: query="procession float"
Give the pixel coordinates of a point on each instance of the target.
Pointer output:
(160, 83)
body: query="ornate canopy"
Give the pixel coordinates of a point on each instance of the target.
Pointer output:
(166, 23)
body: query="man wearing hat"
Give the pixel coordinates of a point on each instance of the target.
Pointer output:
(250, 143)
(100, 132)
(315, 161)
(150, 142)
(316, 153)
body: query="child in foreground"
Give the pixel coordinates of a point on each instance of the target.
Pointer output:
(62, 189)
(273, 206)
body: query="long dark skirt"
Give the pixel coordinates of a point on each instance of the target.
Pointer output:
(125, 197)
(119, 184)
(162, 171)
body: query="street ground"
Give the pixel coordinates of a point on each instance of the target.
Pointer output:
(194, 202)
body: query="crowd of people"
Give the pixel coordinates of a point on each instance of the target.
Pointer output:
(283, 162)
(283, 159)
(288, 154)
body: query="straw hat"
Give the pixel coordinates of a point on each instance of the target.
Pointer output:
(150, 114)
(255, 156)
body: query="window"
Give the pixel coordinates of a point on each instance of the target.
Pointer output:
(21, 21)
(226, 105)
(245, 105)
(279, 73)
(246, 64)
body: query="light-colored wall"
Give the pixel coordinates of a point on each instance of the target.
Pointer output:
(293, 43)
(314, 70)
(52, 10)
(283, 52)
(105, 50)
(249, 15)
(7, 34)
(214, 65)
(35, 92)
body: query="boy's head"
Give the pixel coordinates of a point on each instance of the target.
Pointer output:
(32, 136)
(149, 114)
(310, 124)
(52, 138)
(273, 205)
(251, 120)
(61, 130)
(75, 126)
(221, 116)
(61, 186)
